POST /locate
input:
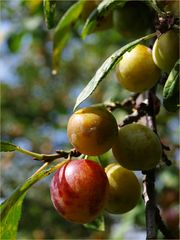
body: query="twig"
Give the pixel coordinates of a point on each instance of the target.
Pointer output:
(165, 159)
(165, 147)
(162, 227)
(151, 113)
(59, 154)
(128, 103)
(136, 115)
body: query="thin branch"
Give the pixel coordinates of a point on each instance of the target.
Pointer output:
(141, 111)
(151, 113)
(162, 227)
(165, 159)
(59, 154)
(128, 103)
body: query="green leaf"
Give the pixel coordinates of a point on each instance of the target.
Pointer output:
(63, 32)
(171, 89)
(103, 9)
(8, 204)
(9, 224)
(105, 68)
(98, 224)
(7, 147)
(49, 12)
(10, 209)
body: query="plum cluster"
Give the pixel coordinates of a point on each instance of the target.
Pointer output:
(81, 189)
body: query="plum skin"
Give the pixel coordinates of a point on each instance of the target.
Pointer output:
(137, 71)
(92, 130)
(166, 50)
(137, 147)
(124, 189)
(79, 190)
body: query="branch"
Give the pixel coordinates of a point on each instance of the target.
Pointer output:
(153, 218)
(150, 204)
(165, 159)
(136, 115)
(128, 103)
(162, 227)
(59, 154)
(149, 181)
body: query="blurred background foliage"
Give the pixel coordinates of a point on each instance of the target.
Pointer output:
(35, 107)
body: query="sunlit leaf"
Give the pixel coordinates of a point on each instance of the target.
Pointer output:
(10, 209)
(22, 189)
(98, 224)
(7, 147)
(105, 69)
(103, 9)
(171, 89)
(49, 12)
(9, 223)
(63, 32)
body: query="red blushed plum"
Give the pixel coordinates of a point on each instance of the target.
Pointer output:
(92, 130)
(79, 190)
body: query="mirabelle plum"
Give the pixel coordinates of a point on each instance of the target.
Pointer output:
(92, 130)
(166, 50)
(124, 189)
(137, 71)
(79, 190)
(137, 147)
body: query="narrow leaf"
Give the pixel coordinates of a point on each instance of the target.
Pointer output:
(103, 9)
(49, 12)
(171, 89)
(63, 32)
(98, 224)
(8, 204)
(105, 68)
(7, 147)
(9, 224)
